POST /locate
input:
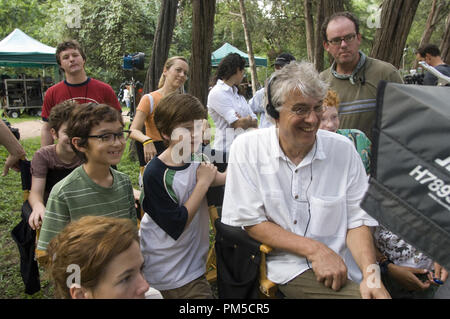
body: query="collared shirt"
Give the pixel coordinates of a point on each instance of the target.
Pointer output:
(225, 106)
(358, 100)
(319, 198)
(258, 106)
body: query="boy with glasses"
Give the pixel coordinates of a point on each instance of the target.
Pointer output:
(97, 136)
(353, 75)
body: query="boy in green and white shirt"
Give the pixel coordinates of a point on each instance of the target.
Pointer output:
(96, 133)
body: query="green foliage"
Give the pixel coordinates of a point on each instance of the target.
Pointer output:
(22, 14)
(366, 11)
(182, 34)
(417, 28)
(11, 198)
(110, 29)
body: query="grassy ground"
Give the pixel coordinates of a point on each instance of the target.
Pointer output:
(11, 199)
(23, 118)
(27, 117)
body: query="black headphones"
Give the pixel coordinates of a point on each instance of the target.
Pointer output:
(270, 108)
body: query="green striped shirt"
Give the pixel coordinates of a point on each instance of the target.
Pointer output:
(77, 195)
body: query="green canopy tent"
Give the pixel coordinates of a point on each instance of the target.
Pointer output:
(20, 50)
(226, 49)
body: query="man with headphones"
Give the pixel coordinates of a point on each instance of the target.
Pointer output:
(353, 75)
(297, 189)
(77, 86)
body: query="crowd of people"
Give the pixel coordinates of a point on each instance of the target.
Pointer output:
(294, 181)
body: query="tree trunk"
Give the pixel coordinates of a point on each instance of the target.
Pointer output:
(248, 42)
(396, 19)
(309, 23)
(431, 22)
(318, 51)
(445, 43)
(203, 12)
(161, 44)
(325, 8)
(160, 53)
(333, 7)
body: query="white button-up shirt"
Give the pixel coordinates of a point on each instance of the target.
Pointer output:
(225, 106)
(258, 106)
(318, 199)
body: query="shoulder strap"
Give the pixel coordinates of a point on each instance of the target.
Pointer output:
(152, 102)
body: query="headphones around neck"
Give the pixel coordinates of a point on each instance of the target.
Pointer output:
(270, 108)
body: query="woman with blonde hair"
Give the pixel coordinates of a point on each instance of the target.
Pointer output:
(97, 258)
(174, 76)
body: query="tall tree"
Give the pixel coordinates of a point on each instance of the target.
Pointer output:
(325, 9)
(203, 12)
(445, 43)
(161, 43)
(396, 19)
(248, 42)
(435, 16)
(318, 50)
(309, 23)
(106, 30)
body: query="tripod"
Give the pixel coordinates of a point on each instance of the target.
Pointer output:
(132, 97)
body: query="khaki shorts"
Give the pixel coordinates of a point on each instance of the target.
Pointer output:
(306, 286)
(196, 289)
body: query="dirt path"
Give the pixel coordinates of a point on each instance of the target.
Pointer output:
(29, 129)
(32, 128)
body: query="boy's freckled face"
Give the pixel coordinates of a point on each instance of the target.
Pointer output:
(104, 152)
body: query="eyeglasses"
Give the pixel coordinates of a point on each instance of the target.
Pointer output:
(305, 111)
(348, 39)
(111, 137)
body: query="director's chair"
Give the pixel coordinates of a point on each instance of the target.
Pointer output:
(241, 264)
(236, 261)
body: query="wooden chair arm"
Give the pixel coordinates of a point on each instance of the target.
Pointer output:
(40, 255)
(267, 287)
(265, 248)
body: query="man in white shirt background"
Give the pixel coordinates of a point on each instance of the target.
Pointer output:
(257, 101)
(298, 189)
(229, 109)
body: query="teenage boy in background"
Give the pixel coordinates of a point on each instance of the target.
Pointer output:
(77, 86)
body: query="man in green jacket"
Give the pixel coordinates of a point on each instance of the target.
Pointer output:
(353, 75)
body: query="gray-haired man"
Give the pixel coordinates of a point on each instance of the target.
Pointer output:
(297, 189)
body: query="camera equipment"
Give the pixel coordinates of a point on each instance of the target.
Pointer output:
(134, 60)
(416, 78)
(13, 130)
(131, 62)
